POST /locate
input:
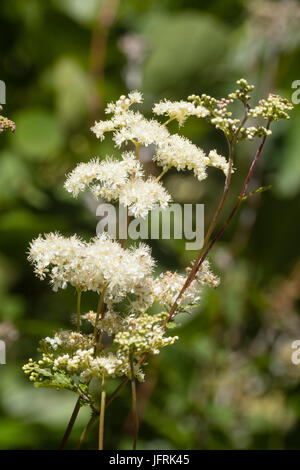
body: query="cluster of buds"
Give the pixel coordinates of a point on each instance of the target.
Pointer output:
(273, 108)
(6, 123)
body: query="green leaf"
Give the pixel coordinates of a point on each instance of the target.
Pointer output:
(181, 51)
(39, 134)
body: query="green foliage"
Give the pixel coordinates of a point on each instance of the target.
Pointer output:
(229, 381)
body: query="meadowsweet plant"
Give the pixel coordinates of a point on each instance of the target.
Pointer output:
(115, 340)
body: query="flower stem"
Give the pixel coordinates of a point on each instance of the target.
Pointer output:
(162, 173)
(137, 149)
(99, 308)
(102, 413)
(87, 428)
(78, 309)
(202, 255)
(134, 403)
(70, 425)
(168, 120)
(210, 229)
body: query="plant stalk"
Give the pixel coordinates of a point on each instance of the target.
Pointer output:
(70, 425)
(202, 255)
(87, 428)
(78, 309)
(102, 414)
(134, 403)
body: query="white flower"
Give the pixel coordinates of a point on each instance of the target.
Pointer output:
(140, 130)
(135, 96)
(168, 285)
(113, 180)
(101, 127)
(179, 110)
(179, 152)
(142, 196)
(129, 126)
(124, 102)
(99, 265)
(218, 161)
(109, 174)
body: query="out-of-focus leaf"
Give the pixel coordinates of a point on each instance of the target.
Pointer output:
(287, 179)
(184, 48)
(14, 176)
(73, 88)
(39, 134)
(82, 11)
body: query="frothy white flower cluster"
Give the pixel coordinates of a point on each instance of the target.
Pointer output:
(142, 196)
(105, 178)
(218, 161)
(171, 150)
(179, 110)
(167, 286)
(101, 264)
(114, 180)
(129, 126)
(179, 152)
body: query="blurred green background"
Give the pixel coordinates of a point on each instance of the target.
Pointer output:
(229, 382)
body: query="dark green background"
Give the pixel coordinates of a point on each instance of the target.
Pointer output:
(229, 381)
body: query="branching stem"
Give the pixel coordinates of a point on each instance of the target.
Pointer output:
(163, 173)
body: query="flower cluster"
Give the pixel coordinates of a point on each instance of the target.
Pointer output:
(218, 114)
(69, 357)
(179, 110)
(100, 265)
(6, 123)
(167, 286)
(273, 108)
(143, 334)
(119, 180)
(171, 150)
(105, 178)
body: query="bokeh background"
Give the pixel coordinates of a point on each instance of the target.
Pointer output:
(229, 382)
